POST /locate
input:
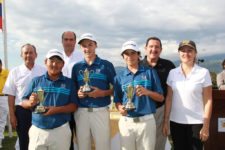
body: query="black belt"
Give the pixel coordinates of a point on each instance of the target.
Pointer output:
(3, 94)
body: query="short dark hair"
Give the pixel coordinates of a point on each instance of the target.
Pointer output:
(0, 61)
(139, 55)
(74, 34)
(153, 38)
(223, 64)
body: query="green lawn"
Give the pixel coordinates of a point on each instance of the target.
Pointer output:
(9, 142)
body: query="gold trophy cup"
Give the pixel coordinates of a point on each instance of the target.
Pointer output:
(130, 92)
(40, 108)
(86, 78)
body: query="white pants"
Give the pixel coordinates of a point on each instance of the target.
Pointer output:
(94, 124)
(50, 139)
(17, 145)
(4, 109)
(137, 135)
(160, 138)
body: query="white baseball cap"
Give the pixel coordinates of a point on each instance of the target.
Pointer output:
(129, 45)
(55, 52)
(87, 36)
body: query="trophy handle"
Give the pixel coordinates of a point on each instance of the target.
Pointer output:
(91, 72)
(81, 72)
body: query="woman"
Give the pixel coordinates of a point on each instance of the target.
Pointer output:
(188, 101)
(142, 86)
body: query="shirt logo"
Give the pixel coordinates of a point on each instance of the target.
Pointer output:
(63, 85)
(97, 70)
(143, 77)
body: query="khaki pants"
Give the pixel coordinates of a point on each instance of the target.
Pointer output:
(137, 135)
(94, 123)
(160, 138)
(50, 139)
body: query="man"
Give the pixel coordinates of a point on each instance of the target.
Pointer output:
(92, 116)
(3, 102)
(220, 78)
(50, 128)
(153, 49)
(17, 82)
(71, 56)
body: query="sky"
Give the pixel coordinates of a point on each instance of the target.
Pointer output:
(114, 22)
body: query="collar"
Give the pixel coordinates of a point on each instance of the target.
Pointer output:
(61, 77)
(96, 61)
(25, 67)
(158, 63)
(193, 69)
(71, 55)
(127, 72)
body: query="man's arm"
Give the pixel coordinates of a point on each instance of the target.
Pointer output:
(71, 107)
(12, 116)
(167, 110)
(100, 93)
(31, 102)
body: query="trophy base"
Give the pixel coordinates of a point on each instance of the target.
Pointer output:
(86, 89)
(40, 110)
(129, 107)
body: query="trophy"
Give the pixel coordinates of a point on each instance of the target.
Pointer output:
(130, 92)
(40, 108)
(86, 78)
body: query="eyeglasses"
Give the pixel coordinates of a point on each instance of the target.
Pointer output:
(66, 39)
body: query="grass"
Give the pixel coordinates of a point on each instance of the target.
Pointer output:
(8, 143)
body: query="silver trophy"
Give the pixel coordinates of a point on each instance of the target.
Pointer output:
(40, 108)
(130, 92)
(86, 78)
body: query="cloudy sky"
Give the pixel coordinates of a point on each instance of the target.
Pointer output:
(41, 22)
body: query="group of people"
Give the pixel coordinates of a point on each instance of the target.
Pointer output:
(154, 98)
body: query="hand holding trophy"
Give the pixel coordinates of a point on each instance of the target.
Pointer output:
(130, 93)
(40, 108)
(86, 78)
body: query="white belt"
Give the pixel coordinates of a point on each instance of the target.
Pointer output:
(138, 119)
(93, 109)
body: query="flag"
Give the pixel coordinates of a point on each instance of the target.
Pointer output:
(0, 14)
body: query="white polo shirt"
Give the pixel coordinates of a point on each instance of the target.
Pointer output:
(19, 79)
(187, 100)
(69, 62)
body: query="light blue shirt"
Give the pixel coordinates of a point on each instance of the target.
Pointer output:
(146, 77)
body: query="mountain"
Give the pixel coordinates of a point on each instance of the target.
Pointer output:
(212, 63)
